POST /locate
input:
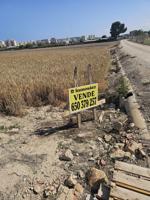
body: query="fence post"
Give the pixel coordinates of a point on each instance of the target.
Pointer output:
(76, 84)
(89, 72)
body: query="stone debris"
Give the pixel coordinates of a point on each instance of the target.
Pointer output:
(46, 192)
(133, 146)
(117, 125)
(102, 162)
(71, 181)
(80, 174)
(107, 138)
(95, 177)
(119, 153)
(65, 193)
(145, 81)
(37, 189)
(66, 156)
(78, 191)
(101, 117)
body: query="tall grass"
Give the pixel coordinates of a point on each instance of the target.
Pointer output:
(39, 77)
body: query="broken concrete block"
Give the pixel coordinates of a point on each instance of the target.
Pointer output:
(119, 153)
(65, 193)
(70, 181)
(134, 146)
(107, 138)
(37, 189)
(67, 156)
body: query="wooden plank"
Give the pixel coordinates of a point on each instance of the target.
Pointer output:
(125, 194)
(130, 182)
(134, 169)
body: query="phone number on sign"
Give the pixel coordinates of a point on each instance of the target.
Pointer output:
(83, 104)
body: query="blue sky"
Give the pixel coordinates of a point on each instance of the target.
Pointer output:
(37, 19)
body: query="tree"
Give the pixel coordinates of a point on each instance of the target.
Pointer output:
(104, 36)
(117, 28)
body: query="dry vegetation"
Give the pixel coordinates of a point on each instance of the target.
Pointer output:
(38, 77)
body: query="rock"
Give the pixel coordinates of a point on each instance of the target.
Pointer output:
(129, 136)
(91, 159)
(46, 192)
(78, 187)
(134, 146)
(37, 189)
(14, 130)
(80, 174)
(140, 153)
(127, 155)
(132, 125)
(117, 125)
(140, 94)
(119, 153)
(119, 145)
(102, 162)
(67, 156)
(101, 117)
(100, 140)
(65, 193)
(108, 127)
(107, 138)
(95, 177)
(90, 154)
(70, 181)
(145, 81)
(88, 197)
(78, 190)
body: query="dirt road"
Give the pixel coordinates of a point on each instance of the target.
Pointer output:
(135, 59)
(142, 52)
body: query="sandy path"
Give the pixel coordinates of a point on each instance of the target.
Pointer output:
(135, 59)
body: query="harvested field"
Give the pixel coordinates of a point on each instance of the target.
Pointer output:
(40, 77)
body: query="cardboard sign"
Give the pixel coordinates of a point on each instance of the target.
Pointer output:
(83, 97)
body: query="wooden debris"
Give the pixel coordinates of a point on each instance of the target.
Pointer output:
(130, 182)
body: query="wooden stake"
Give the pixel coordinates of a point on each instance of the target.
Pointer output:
(79, 120)
(76, 84)
(89, 72)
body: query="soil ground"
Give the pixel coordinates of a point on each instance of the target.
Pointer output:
(30, 149)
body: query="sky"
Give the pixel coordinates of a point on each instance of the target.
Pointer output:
(39, 19)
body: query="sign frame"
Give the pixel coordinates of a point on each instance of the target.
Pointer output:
(80, 87)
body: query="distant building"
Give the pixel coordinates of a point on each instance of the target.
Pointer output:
(91, 37)
(43, 41)
(64, 41)
(53, 40)
(10, 43)
(2, 43)
(75, 40)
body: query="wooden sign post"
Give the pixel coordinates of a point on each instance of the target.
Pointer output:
(76, 84)
(89, 72)
(83, 97)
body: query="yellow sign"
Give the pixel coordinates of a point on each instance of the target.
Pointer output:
(83, 97)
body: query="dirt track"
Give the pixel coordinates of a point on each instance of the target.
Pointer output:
(142, 52)
(135, 59)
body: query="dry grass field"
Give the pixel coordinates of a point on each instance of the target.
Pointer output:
(40, 77)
